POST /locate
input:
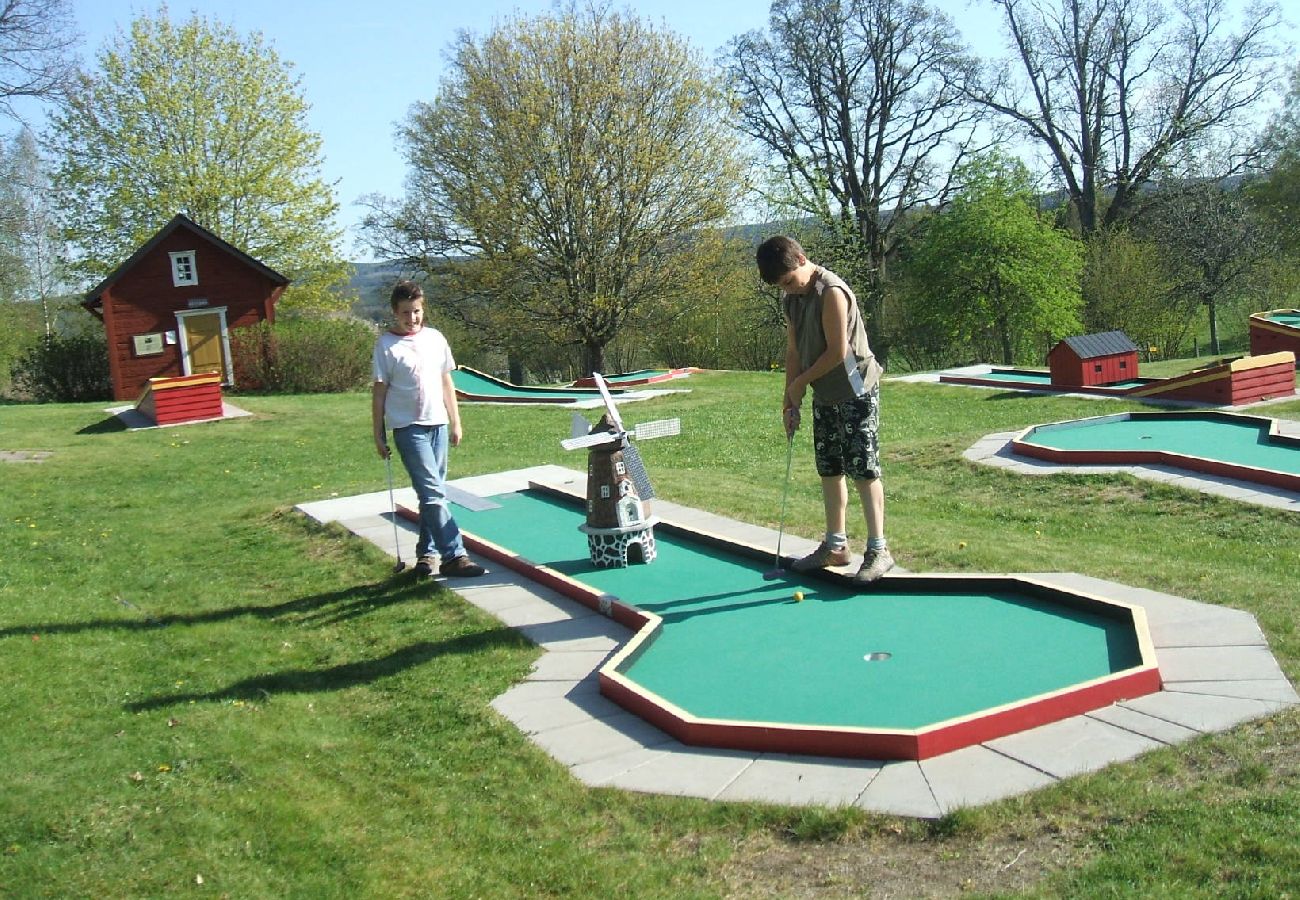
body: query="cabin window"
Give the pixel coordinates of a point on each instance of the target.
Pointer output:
(184, 272)
(1096, 367)
(1123, 364)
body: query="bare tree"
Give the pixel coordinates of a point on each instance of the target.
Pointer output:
(862, 104)
(37, 41)
(1115, 91)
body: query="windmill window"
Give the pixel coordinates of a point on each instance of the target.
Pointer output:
(184, 271)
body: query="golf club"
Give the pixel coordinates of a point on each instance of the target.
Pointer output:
(785, 492)
(392, 512)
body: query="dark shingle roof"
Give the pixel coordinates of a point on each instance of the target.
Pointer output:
(1104, 343)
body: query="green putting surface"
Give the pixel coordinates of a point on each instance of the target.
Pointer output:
(1032, 377)
(736, 647)
(478, 385)
(1243, 442)
(1289, 318)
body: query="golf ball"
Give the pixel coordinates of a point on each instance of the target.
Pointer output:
(798, 596)
(961, 545)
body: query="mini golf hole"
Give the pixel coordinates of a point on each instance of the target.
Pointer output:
(878, 656)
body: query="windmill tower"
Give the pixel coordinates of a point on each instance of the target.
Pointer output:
(619, 526)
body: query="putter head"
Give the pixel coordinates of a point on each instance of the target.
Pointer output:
(773, 574)
(400, 567)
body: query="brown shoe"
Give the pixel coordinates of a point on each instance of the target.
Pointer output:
(822, 557)
(462, 567)
(874, 564)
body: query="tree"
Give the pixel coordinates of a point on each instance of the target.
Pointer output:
(1277, 194)
(195, 118)
(567, 161)
(1127, 288)
(1114, 92)
(1212, 242)
(37, 41)
(991, 274)
(31, 249)
(861, 104)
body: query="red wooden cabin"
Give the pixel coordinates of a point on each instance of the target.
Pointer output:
(168, 310)
(1092, 359)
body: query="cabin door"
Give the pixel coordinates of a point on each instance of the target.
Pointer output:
(205, 343)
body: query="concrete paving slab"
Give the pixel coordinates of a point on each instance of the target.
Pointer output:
(533, 714)
(1202, 712)
(1217, 663)
(1208, 632)
(502, 595)
(803, 780)
(1139, 723)
(336, 508)
(900, 789)
(584, 742)
(975, 775)
(594, 632)
(598, 772)
(570, 666)
(1073, 746)
(687, 772)
(1276, 690)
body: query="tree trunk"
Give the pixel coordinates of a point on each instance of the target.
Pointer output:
(516, 366)
(593, 358)
(1214, 326)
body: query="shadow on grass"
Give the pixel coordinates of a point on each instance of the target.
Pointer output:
(318, 609)
(340, 677)
(111, 425)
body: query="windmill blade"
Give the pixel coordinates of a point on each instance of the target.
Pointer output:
(658, 428)
(578, 426)
(595, 439)
(614, 417)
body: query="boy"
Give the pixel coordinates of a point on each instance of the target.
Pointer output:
(826, 348)
(413, 394)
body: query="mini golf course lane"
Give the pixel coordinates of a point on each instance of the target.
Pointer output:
(1244, 447)
(472, 385)
(916, 655)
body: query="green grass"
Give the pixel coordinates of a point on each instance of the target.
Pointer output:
(201, 683)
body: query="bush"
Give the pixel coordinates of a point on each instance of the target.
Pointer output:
(303, 356)
(72, 369)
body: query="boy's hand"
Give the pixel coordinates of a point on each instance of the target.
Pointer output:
(791, 418)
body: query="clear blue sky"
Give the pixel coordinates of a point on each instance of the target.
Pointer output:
(362, 64)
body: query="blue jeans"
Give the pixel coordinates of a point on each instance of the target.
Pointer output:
(423, 449)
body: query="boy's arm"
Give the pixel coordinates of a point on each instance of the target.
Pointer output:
(454, 433)
(378, 392)
(835, 324)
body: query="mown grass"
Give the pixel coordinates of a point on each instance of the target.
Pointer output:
(202, 685)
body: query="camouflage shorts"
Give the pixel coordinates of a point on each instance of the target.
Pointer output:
(845, 437)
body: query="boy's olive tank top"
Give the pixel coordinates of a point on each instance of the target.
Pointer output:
(860, 372)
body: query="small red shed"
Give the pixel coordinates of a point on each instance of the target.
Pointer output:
(1092, 359)
(168, 310)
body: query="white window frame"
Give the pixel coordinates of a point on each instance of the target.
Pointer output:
(187, 366)
(182, 259)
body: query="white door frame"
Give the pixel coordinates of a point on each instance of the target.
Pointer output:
(186, 364)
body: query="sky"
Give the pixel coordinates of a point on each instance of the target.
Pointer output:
(362, 65)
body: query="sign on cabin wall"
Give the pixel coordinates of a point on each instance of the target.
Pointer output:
(148, 344)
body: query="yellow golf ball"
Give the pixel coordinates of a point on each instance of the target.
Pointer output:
(798, 596)
(961, 545)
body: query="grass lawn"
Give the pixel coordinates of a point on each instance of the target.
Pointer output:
(205, 692)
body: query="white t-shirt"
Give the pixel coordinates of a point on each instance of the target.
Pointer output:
(412, 365)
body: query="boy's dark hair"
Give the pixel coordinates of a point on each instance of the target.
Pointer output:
(405, 290)
(777, 257)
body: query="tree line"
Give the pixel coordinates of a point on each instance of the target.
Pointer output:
(577, 184)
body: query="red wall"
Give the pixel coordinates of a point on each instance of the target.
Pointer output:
(1070, 371)
(143, 301)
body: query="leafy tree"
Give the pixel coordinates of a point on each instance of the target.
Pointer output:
(1277, 193)
(198, 119)
(566, 161)
(31, 250)
(1115, 91)
(37, 41)
(1127, 288)
(860, 104)
(991, 274)
(1212, 242)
